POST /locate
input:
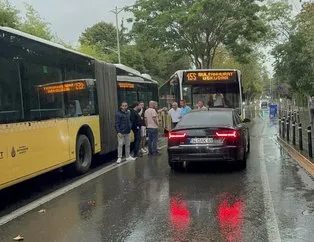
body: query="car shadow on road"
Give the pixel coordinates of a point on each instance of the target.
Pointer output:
(209, 168)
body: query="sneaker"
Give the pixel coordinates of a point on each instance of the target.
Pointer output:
(119, 160)
(144, 150)
(140, 154)
(130, 158)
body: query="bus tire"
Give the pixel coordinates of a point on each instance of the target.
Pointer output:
(84, 154)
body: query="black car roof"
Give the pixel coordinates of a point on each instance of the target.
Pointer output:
(221, 109)
(227, 110)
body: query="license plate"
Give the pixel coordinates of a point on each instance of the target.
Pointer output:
(202, 141)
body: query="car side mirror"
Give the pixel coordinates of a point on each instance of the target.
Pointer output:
(246, 120)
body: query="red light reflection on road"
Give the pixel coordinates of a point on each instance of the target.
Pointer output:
(179, 214)
(230, 219)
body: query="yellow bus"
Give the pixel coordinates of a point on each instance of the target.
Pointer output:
(57, 106)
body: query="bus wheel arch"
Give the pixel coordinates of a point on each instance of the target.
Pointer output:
(84, 150)
(87, 131)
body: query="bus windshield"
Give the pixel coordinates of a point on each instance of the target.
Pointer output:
(226, 95)
(216, 88)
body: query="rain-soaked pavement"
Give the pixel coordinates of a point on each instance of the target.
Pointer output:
(144, 201)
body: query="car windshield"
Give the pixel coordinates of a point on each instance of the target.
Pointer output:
(210, 118)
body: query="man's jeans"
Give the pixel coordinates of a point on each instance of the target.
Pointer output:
(152, 140)
(137, 141)
(123, 139)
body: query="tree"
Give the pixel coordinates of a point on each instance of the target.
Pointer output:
(280, 21)
(295, 58)
(254, 76)
(161, 64)
(99, 41)
(35, 25)
(198, 27)
(104, 36)
(131, 56)
(9, 15)
(93, 52)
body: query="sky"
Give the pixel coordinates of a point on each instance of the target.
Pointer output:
(69, 18)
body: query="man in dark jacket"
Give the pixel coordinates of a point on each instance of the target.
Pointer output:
(123, 127)
(136, 127)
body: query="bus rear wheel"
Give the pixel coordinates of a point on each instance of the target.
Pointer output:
(84, 154)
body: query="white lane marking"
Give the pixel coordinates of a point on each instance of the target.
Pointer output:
(35, 204)
(270, 215)
(21, 211)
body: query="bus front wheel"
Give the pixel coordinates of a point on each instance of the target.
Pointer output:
(84, 154)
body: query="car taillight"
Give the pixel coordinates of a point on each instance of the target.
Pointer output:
(227, 134)
(230, 137)
(177, 135)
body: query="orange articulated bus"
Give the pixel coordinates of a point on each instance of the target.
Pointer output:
(57, 106)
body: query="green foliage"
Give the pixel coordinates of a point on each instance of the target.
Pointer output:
(92, 51)
(103, 35)
(295, 57)
(100, 41)
(9, 15)
(279, 18)
(131, 56)
(197, 28)
(162, 64)
(253, 74)
(35, 25)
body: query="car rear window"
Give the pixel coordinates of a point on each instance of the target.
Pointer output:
(210, 118)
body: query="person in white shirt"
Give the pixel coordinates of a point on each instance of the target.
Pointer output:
(175, 114)
(219, 100)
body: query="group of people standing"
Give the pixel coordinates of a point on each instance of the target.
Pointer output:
(143, 123)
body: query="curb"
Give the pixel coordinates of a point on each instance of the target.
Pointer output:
(296, 155)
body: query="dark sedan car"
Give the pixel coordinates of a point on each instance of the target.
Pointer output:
(214, 135)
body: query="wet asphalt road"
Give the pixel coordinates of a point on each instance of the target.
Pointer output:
(273, 200)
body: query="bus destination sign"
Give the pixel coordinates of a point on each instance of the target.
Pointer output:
(195, 76)
(64, 87)
(126, 85)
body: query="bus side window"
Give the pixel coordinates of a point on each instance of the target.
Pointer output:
(10, 95)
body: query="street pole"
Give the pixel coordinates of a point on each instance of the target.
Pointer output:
(118, 36)
(271, 95)
(116, 11)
